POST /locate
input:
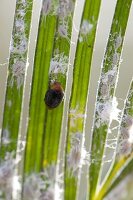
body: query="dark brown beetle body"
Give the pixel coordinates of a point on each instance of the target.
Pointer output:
(54, 95)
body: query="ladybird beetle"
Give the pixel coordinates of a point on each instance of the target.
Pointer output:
(54, 95)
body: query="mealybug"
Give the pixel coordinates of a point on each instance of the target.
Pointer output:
(54, 95)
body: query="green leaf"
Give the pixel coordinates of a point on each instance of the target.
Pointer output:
(51, 60)
(123, 162)
(125, 170)
(81, 77)
(106, 91)
(16, 75)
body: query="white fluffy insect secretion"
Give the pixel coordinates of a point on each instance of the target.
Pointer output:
(19, 46)
(108, 111)
(32, 187)
(58, 64)
(46, 7)
(118, 41)
(42, 186)
(85, 30)
(19, 25)
(109, 77)
(107, 83)
(104, 90)
(125, 144)
(63, 32)
(18, 70)
(130, 131)
(78, 154)
(5, 137)
(75, 152)
(86, 27)
(65, 8)
(6, 175)
(116, 58)
(48, 195)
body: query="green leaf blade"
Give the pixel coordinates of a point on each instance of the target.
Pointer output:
(16, 74)
(81, 77)
(123, 160)
(111, 61)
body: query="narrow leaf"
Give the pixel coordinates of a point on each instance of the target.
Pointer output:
(16, 73)
(106, 105)
(50, 66)
(124, 158)
(81, 77)
(18, 63)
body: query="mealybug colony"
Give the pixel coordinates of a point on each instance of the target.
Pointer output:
(54, 95)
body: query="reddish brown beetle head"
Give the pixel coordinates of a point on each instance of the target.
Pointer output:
(56, 86)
